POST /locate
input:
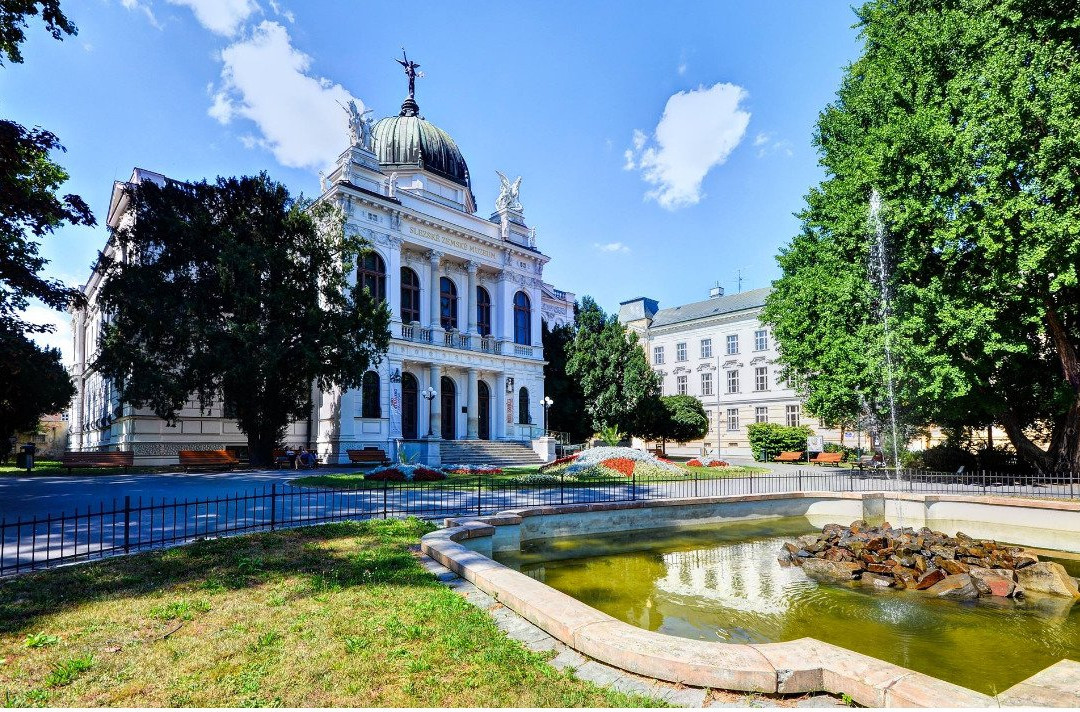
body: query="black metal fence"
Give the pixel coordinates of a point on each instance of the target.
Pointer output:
(127, 526)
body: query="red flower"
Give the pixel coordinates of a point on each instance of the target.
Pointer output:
(695, 463)
(717, 463)
(622, 465)
(560, 461)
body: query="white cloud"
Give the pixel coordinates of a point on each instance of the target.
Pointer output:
(611, 247)
(222, 17)
(767, 144)
(266, 80)
(144, 9)
(279, 10)
(762, 138)
(698, 130)
(682, 68)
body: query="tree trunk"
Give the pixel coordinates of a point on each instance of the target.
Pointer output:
(261, 448)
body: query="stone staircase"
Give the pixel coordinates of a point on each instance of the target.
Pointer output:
(503, 453)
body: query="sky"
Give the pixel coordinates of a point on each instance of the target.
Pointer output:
(663, 147)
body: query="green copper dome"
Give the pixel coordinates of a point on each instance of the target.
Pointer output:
(410, 141)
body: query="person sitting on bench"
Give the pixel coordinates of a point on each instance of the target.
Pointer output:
(305, 458)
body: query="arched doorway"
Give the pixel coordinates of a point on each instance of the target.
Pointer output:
(410, 406)
(483, 394)
(449, 406)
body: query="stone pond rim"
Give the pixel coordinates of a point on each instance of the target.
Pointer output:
(958, 567)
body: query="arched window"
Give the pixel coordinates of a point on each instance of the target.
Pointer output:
(369, 396)
(372, 275)
(448, 303)
(523, 405)
(483, 311)
(522, 319)
(410, 296)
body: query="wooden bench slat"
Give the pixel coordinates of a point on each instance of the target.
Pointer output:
(207, 458)
(788, 456)
(121, 458)
(375, 455)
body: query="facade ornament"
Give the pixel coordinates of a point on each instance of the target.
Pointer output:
(322, 182)
(508, 194)
(434, 256)
(471, 267)
(391, 185)
(359, 125)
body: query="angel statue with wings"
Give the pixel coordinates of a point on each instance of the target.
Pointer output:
(359, 124)
(508, 194)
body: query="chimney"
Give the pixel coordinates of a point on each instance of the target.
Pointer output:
(716, 291)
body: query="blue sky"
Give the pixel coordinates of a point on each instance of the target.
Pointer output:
(663, 147)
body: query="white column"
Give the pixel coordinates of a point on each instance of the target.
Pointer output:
(433, 298)
(536, 298)
(393, 285)
(471, 301)
(472, 426)
(435, 407)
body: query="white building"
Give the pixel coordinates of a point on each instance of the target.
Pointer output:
(719, 351)
(466, 295)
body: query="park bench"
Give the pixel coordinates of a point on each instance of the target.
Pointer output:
(207, 460)
(870, 461)
(368, 456)
(283, 460)
(828, 458)
(788, 456)
(71, 460)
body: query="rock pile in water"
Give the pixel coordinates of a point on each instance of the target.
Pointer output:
(924, 560)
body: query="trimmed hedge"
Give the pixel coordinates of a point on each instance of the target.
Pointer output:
(773, 438)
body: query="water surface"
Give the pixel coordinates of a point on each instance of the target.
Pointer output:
(723, 583)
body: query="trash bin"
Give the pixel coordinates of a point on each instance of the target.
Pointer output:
(25, 457)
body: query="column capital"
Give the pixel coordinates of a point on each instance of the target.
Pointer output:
(471, 267)
(434, 256)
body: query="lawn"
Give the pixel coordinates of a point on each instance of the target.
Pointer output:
(45, 468)
(340, 615)
(355, 480)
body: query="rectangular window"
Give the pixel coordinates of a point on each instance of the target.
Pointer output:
(733, 381)
(733, 344)
(660, 380)
(706, 348)
(732, 419)
(761, 340)
(761, 378)
(706, 384)
(680, 351)
(793, 412)
(680, 385)
(761, 414)
(658, 355)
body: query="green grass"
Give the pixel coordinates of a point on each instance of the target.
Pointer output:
(355, 480)
(340, 615)
(52, 468)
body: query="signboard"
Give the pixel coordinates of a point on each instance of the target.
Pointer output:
(815, 443)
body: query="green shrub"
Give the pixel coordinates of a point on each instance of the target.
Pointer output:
(773, 438)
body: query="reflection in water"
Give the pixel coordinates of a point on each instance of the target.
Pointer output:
(723, 583)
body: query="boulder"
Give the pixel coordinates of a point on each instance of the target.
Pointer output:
(952, 567)
(876, 580)
(929, 579)
(954, 586)
(858, 525)
(1024, 559)
(807, 540)
(991, 582)
(1047, 577)
(831, 570)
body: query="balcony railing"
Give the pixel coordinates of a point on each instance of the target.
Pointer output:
(457, 340)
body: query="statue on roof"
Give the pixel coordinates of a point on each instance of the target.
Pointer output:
(508, 194)
(410, 71)
(359, 125)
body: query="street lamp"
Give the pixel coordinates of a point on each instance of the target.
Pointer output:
(547, 403)
(429, 395)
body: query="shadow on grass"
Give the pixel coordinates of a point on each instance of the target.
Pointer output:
(317, 553)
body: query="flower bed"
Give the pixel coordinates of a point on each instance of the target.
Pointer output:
(472, 469)
(406, 473)
(623, 465)
(559, 463)
(598, 456)
(711, 463)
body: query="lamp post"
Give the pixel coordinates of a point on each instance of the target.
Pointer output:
(547, 403)
(429, 395)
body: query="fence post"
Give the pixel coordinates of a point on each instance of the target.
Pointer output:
(273, 506)
(385, 487)
(1071, 476)
(479, 493)
(633, 486)
(127, 523)
(562, 487)
(751, 483)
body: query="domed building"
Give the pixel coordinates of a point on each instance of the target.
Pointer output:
(462, 380)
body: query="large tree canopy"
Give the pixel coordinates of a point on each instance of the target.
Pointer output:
(35, 383)
(676, 418)
(13, 14)
(963, 114)
(235, 290)
(566, 413)
(610, 365)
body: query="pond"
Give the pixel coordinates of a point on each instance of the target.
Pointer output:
(723, 583)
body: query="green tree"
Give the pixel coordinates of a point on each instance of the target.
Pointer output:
(676, 418)
(567, 413)
(962, 114)
(34, 383)
(13, 14)
(610, 365)
(235, 290)
(770, 439)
